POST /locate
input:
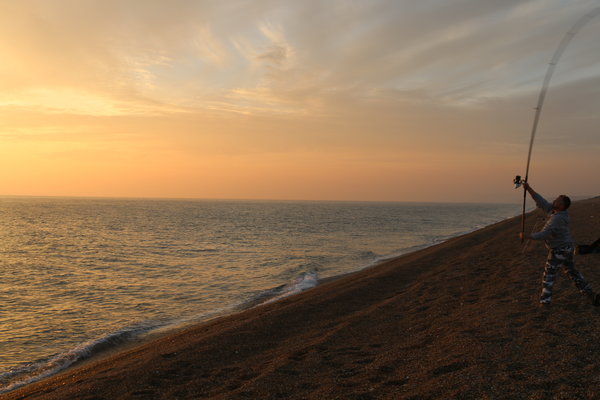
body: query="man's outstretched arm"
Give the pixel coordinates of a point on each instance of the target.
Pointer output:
(539, 200)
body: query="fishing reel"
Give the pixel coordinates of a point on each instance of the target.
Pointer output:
(518, 181)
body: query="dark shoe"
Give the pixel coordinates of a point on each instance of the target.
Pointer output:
(583, 249)
(596, 300)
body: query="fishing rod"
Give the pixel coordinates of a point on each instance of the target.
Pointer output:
(518, 181)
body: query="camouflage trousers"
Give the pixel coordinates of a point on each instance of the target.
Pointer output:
(558, 258)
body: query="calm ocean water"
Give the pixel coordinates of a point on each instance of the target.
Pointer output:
(81, 275)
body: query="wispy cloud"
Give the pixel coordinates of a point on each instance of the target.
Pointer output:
(184, 52)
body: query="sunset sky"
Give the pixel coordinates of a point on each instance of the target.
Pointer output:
(395, 100)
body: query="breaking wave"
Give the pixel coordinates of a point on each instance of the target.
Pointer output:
(31, 372)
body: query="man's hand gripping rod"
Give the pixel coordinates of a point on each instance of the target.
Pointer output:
(518, 181)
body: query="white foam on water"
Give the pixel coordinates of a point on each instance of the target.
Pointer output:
(31, 372)
(304, 281)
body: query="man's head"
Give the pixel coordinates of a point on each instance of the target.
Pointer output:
(561, 203)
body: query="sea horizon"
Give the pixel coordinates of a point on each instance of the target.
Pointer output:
(83, 197)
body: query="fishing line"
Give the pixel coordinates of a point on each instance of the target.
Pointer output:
(538, 109)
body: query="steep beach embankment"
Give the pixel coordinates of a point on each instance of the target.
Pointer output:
(456, 320)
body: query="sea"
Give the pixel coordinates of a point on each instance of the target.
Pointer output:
(80, 276)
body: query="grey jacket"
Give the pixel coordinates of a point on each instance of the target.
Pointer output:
(556, 232)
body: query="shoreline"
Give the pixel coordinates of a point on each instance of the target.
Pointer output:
(332, 292)
(109, 349)
(162, 331)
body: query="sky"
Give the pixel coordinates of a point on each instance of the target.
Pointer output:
(373, 100)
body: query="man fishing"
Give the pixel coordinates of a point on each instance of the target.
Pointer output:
(557, 236)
